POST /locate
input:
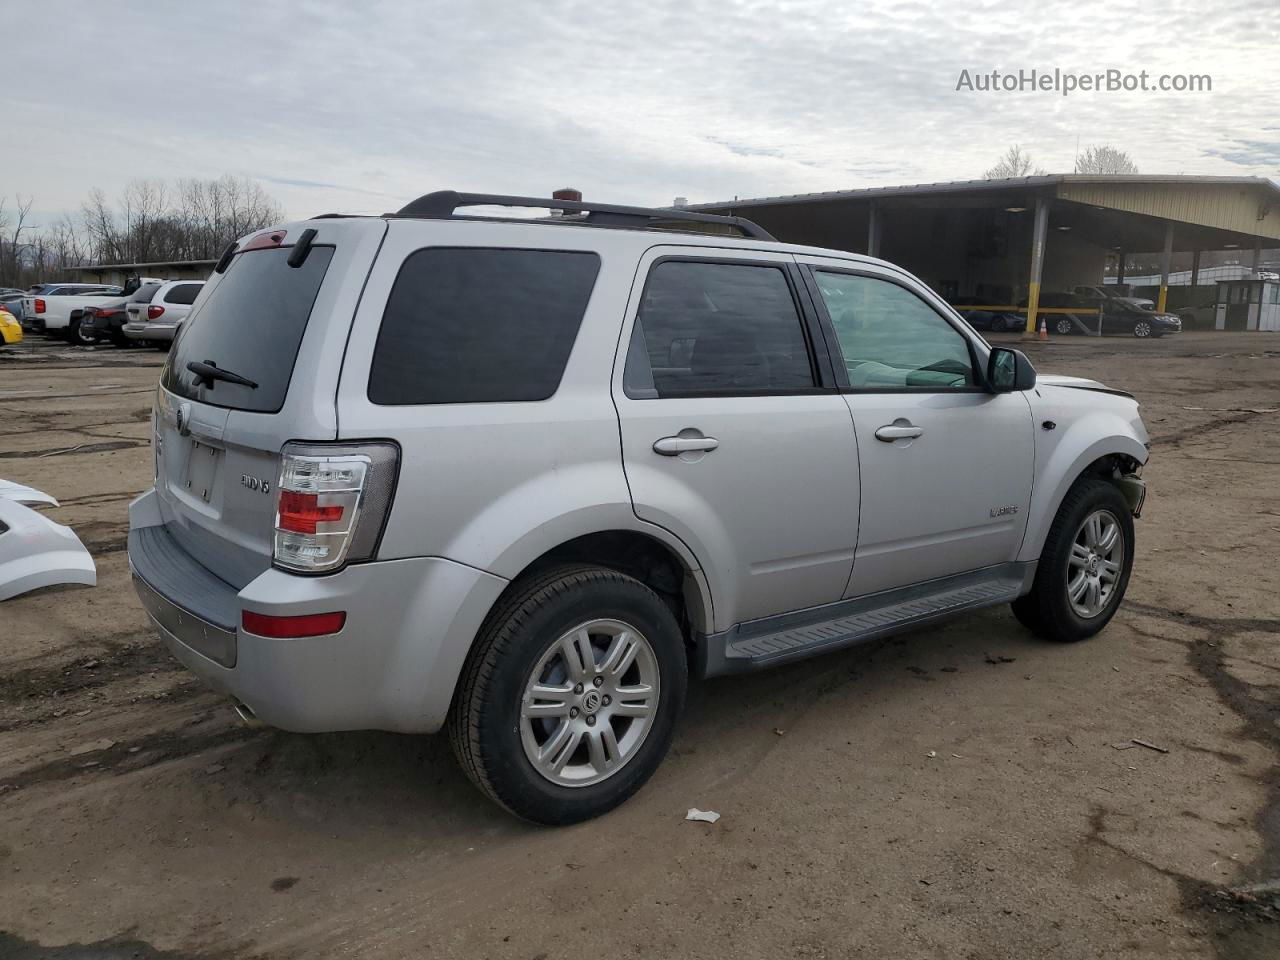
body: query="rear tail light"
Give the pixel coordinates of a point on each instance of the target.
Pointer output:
(39, 305)
(332, 503)
(153, 312)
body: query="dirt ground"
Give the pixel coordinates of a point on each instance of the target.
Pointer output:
(956, 792)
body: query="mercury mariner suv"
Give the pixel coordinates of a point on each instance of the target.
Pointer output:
(519, 478)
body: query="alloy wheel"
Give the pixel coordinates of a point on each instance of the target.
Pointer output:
(1142, 329)
(1063, 325)
(589, 703)
(1093, 569)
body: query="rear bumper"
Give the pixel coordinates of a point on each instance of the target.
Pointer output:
(149, 331)
(393, 666)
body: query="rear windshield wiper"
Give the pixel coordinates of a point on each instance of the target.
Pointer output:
(207, 371)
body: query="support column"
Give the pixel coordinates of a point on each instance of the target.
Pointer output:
(1120, 267)
(873, 229)
(1038, 234)
(1195, 274)
(1257, 254)
(1166, 260)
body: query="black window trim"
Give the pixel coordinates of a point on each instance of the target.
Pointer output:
(595, 285)
(820, 366)
(809, 269)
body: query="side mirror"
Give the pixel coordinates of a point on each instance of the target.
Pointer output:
(1009, 371)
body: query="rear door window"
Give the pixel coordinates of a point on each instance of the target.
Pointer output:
(475, 325)
(712, 329)
(252, 325)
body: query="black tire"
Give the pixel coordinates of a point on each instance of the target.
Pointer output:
(77, 337)
(1063, 327)
(485, 718)
(1046, 611)
(1142, 329)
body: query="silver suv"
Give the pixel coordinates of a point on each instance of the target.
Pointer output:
(519, 478)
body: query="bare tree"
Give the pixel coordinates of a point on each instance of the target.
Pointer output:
(12, 245)
(1015, 162)
(1105, 159)
(153, 221)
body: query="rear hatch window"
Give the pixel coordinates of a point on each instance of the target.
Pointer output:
(145, 293)
(251, 325)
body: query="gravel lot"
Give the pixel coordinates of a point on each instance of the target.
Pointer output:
(955, 792)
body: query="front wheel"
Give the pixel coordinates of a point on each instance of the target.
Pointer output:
(1084, 567)
(1063, 326)
(1142, 329)
(568, 701)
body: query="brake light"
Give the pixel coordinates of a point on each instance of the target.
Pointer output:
(332, 503)
(265, 241)
(291, 628)
(103, 314)
(39, 305)
(154, 311)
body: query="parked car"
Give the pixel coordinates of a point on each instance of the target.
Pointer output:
(1202, 317)
(106, 320)
(10, 328)
(516, 478)
(993, 320)
(156, 318)
(12, 301)
(56, 309)
(1107, 292)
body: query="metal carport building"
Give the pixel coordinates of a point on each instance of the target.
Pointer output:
(1002, 241)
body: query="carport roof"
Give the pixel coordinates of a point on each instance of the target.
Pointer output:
(1008, 183)
(1127, 211)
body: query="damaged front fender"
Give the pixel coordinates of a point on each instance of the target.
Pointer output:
(36, 552)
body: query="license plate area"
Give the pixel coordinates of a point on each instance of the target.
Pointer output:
(201, 475)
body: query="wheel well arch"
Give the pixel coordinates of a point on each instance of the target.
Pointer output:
(638, 555)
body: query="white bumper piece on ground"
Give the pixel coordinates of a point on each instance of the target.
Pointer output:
(34, 551)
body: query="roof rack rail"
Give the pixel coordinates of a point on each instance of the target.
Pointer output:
(442, 204)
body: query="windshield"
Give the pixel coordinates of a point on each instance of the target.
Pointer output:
(252, 325)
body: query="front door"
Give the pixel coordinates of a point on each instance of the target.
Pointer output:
(946, 466)
(731, 439)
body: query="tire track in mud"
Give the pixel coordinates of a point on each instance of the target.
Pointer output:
(118, 660)
(1244, 925)
(129, 756)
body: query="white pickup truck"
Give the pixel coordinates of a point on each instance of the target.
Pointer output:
(57, 312)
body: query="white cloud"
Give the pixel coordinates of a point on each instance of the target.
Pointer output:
(353, 106)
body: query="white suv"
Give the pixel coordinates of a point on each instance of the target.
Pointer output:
(519, 478)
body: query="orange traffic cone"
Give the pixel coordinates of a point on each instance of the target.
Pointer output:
(1044, 329)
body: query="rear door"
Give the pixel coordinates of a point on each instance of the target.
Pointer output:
(946, 466)
(733, 436)
(218, 443)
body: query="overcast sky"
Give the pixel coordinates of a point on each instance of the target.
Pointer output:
(360, 106)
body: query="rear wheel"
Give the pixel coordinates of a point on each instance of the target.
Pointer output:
(568, 701)
(1084, 567)
(1062, 325)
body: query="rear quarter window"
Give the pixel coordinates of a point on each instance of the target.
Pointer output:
(471, 325)
(183, 293)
